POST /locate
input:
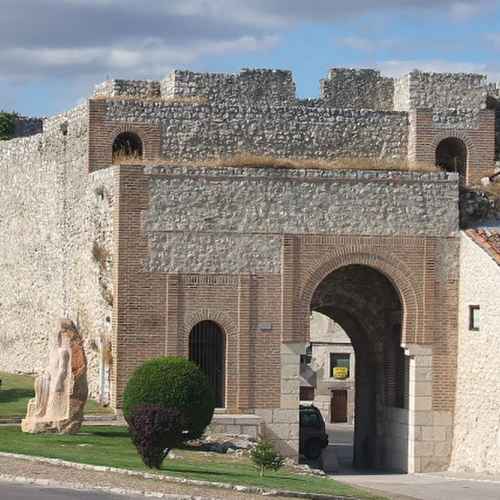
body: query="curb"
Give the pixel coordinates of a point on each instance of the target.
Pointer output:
(87, 418)
(48, 483)
(179, 480)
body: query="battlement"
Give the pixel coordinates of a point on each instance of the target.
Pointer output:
(250, 86)
(441, 91)
(357, 89)
(343, 88)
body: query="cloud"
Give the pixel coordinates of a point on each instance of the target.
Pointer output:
(73, 38)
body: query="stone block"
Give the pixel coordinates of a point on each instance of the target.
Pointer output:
(290, 371)
(423, 418)
(442, 449)
(297, 348)
(289, 401)
(422, 403)
(251, 430)
(285, 416)
(290, 386)
(423, 388)
(247, 420)
(233, 429)
(444, 418)
(265, 414)
(424, 448)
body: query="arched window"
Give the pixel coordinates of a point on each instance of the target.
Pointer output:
(126, 147)
(207, 349)
(451, 155)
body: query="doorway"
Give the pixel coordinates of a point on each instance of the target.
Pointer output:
(339, 406)
(207, 350)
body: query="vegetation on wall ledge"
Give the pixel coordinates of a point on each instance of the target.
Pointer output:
(7, 125)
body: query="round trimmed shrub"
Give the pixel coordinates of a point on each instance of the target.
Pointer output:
(175, 383)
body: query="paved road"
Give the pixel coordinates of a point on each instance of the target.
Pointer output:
(438, 486)
(10, 491)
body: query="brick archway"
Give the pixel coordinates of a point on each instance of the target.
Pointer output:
(389, 265)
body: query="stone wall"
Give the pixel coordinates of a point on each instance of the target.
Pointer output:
(476, 444)
(442, 91)
(52, 213)
(231, 219)
(222, 129)
(146, 89)
(249, 87)
(357, 89)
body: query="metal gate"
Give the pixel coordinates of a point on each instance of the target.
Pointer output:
(207, 350)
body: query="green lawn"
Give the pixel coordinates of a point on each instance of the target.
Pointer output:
(17, 390)
(111, 446)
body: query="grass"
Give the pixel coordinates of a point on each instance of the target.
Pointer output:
(17, 390)
(111, 446)
(248, 160)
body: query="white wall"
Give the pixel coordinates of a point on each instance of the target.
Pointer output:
(476, 444)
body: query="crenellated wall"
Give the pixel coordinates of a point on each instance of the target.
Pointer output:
(357, 89)
(195, 131)
(441, 91)
(249, 87)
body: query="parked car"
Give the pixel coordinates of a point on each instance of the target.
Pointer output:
(313, 437)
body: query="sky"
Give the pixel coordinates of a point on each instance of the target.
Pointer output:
(52, 52)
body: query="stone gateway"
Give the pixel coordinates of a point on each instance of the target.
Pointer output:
(207, 215)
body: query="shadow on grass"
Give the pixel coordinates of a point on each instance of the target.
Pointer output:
(11, 395)
(109, 434)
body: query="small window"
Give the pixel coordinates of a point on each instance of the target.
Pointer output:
(127, 147)
(342, 362)
(305, 359)
(307, 393)
(474, 318)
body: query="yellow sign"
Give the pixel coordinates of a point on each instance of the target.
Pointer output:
(340, 372)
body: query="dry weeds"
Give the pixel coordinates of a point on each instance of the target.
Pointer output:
(246, 160)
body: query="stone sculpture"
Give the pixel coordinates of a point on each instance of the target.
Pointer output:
(61, 390)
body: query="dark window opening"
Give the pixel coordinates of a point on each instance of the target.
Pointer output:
(474, 318)
(305, 359)
(451, 155)
(126, 147)
(342, 362)
(307, 393)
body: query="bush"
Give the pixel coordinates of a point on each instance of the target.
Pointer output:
(172, 383)
(7, 125)
(155, 431)
(265, 457)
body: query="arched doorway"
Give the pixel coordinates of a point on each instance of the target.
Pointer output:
(207, 350)
(366, 304)
(451, 155)
(127, 146)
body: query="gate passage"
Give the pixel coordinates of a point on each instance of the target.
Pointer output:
(207, 350)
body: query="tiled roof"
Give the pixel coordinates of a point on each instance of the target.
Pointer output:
(488, 239)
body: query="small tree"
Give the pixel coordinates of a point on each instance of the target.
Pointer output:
(7, 125)
(155, 431)
(264, 456)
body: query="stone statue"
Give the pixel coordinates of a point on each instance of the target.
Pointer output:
(61, 390)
